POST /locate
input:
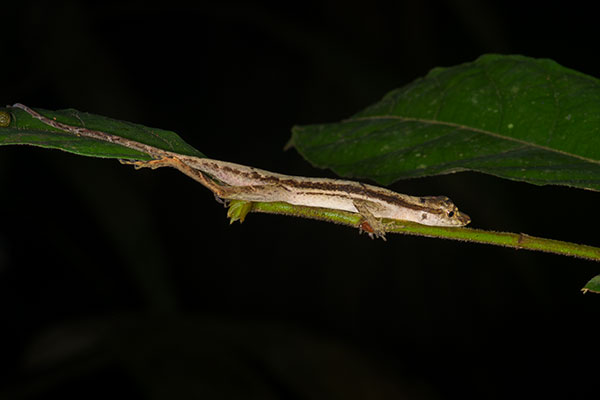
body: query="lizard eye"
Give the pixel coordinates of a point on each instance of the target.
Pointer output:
(450, 214)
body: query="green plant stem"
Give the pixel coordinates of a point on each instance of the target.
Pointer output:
(505, 239)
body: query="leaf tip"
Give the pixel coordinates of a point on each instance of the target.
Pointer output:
(238, 209)
(4, 119)
(592, 286)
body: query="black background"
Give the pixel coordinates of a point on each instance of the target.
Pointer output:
(132, 283)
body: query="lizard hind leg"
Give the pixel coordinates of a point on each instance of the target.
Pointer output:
(220, 191)
(152, 164)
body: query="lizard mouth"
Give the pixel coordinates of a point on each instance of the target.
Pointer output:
(463, 218)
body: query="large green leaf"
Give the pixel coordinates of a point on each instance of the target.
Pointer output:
(519, 118)
(24, 129)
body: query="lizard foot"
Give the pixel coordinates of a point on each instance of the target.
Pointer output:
(370, 224)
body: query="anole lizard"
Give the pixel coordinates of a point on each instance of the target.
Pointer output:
(231, 181)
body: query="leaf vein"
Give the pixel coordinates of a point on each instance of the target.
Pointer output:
(472, 129)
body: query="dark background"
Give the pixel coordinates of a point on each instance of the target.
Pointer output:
(132, 283)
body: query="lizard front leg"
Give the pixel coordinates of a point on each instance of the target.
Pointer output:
(370, 224)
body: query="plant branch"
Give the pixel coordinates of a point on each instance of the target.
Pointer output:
(505, 239)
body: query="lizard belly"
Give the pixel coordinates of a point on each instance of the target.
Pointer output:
(323, 201)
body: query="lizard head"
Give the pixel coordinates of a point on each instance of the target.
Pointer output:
(444, 212)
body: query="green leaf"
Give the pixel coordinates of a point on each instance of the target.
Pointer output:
(515, 117)
(238, 210)
(24, 129)
(593, 285)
